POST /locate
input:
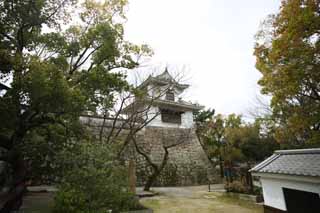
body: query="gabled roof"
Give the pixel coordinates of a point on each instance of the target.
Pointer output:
(165, 76)
(300, 162)
(163, 79)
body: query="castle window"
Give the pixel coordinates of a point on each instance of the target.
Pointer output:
(170, 116)
(170, 95)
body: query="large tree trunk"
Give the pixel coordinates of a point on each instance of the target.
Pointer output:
(221, 167)
(156, 171)
(132, 176)
(13, 200)
(249, 177)
(151, 179)
(18, 173)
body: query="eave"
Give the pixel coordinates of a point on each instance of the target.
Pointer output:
(179, 106)
(176, 105)
(299, 178)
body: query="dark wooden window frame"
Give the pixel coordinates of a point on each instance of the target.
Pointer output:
(170, 95)
(170, 116)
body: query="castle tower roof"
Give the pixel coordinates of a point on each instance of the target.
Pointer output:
(163, 79)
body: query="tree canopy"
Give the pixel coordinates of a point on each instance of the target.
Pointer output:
(61, 58)
(287, 55)
(230, 138)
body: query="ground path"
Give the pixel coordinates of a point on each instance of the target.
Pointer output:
(170, 200)
(197, 199)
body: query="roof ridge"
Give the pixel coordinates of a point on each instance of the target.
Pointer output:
(265, 163)
(298, 151)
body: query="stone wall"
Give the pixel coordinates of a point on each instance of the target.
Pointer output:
(187, 164)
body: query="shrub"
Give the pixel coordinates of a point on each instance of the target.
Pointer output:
(239, 187)
(235, 186)
(93, 182)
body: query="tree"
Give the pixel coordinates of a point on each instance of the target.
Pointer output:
(93, 181)
(203, 115)
(287, 55)
(254, 146)
(229, 139)
(212, 132)
(62, 64)
(139, 113)
(247, 144)
(168, 142)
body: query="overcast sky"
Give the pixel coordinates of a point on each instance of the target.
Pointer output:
(214, 39)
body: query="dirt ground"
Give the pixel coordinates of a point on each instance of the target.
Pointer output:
(197, 199)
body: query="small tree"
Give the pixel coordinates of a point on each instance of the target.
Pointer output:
(132, 112)
(211, 131)
(93, 181)
(231, 140)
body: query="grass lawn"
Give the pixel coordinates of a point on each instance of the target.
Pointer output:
(213, 202)
(199, 201)
(37, 203)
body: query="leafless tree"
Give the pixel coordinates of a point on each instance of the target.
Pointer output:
(157, 167)
(131, 113)
(260, 107)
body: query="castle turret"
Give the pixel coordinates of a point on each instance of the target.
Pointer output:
(165, 94)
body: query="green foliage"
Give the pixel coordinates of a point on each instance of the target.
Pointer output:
(213, 135)
(42, 146)
(203, 115)
(64, 71)
(65, 58)
(93, 182)
(231, 139)
(287, 55)
(247, 138)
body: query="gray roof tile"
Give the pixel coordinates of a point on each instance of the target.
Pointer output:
(303, 162)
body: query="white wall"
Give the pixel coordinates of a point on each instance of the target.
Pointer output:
(155, 91)
(273, 194)
(186, 120)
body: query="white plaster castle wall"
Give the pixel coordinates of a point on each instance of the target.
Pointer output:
(273, 194)
(186, 120)
(157, 91)
(157, 120)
